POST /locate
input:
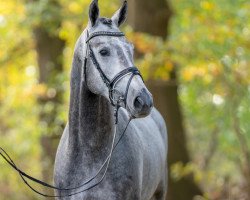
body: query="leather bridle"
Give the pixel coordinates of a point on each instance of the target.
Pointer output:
(111, 84)
(118, 77)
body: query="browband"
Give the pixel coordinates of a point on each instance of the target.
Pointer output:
(104, 33)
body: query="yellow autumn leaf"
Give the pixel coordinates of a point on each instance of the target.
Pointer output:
(169, 66)
(206, 5)
(75, 7)
(187, 74)
(39, 89)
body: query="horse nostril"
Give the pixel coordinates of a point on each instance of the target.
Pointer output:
(138, 103)
(143, 103)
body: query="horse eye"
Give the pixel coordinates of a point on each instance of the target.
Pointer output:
(104, 52)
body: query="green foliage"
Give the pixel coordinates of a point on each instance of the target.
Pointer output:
(210, 41)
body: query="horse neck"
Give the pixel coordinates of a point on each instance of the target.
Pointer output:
(91, 121)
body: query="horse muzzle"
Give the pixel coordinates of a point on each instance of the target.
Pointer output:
(143, 104)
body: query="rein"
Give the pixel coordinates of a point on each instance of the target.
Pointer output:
(111, 84)
(23, 175)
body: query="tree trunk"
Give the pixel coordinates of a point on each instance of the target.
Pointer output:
(153, 17)
(166, 101)
(49, 48)
(49, 52)
(149, 16)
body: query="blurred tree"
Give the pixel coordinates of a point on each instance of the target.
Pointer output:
(165, 94)
(18, 121)
(150, 16)
(49, 48)
(210, 40)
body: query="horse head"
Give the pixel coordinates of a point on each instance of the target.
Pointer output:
(109, 64)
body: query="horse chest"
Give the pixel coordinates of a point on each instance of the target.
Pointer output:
(135, 170)
(122, 181)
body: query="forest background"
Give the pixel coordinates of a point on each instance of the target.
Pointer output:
(194, 56)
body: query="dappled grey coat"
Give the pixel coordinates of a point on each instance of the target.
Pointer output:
(137, 169)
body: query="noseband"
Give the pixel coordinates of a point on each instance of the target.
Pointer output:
(118, 77)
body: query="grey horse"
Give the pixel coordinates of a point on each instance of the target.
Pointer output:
(137, 169)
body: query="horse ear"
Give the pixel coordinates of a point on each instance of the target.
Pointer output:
(120, 16)
(93, 12)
